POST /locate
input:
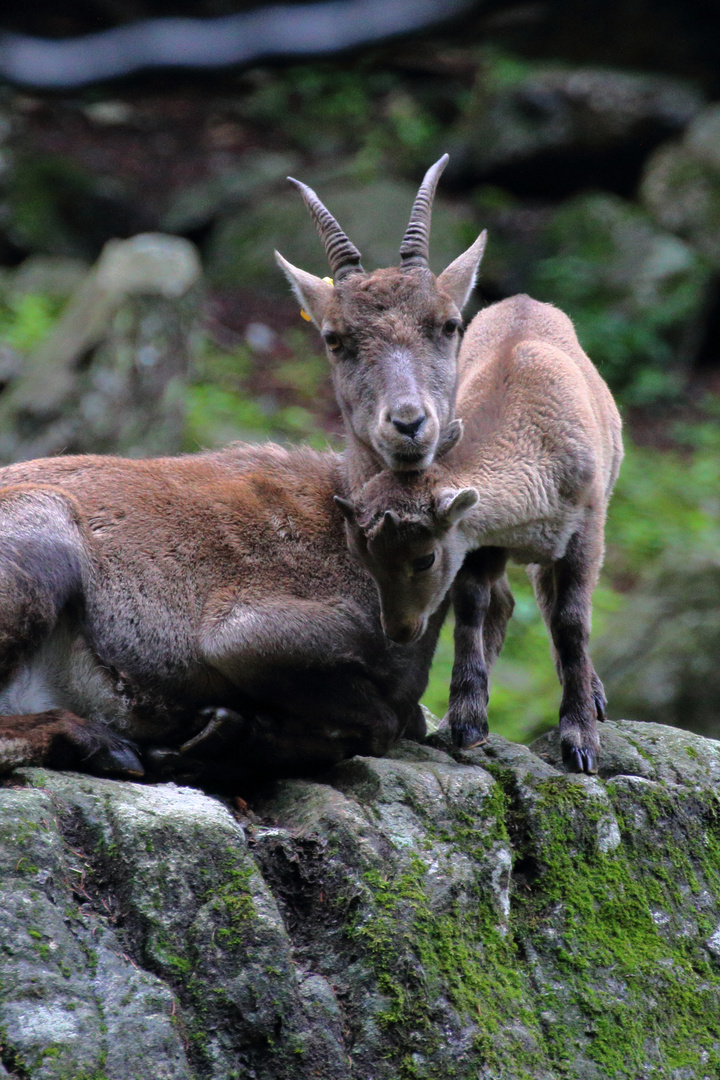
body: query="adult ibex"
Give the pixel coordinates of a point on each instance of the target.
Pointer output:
(392, 338)
(133, 594)
(531, 481)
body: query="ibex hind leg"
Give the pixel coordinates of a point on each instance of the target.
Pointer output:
(246, 748)
(482, 604)
(543, 582)
(41, 569)
(57, 739)
(564, 593)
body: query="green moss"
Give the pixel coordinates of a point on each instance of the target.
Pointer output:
(233, 900)
(419, 954)
(633, 986)
(615, 977)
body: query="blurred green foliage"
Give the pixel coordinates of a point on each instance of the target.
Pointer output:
(26, 320)
(223, 405)
(51, 203)
(631, 291)
(325, 111)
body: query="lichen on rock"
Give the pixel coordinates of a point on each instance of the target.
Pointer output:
(429, 914)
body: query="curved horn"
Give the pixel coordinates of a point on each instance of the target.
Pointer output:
(415, 248)
(343, 256)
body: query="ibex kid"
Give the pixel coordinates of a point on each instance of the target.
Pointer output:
(530, 481)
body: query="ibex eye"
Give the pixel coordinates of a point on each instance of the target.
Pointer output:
(424, 562)
(451, 327)
(333, 342)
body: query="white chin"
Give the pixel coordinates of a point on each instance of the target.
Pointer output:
(398, 463)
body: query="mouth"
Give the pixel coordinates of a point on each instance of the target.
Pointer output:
(407, 458)
(401, 453)
(406, 635)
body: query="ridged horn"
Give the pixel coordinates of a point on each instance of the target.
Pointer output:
(343, 256)
(415, 248)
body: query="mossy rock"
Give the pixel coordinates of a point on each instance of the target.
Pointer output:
(546, 129)
(633, 289)
(58, 207)
(426, 916)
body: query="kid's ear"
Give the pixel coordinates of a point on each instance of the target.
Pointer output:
(449, 438)
(454, 505)
(346, 508)
(313, 293)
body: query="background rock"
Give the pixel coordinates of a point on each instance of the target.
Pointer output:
(550, 131)
(632, 289)
(418, 916)
(660, 662)
(375, 216)
(681, 185)
(111, 374)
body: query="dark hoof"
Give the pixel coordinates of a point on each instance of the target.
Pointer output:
(161, 761)
(599, 698)
(466, 737)
(579, 760)
(119, 760)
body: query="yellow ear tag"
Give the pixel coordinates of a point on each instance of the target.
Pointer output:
(303, 312)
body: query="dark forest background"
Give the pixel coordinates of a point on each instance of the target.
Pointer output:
(584, 137)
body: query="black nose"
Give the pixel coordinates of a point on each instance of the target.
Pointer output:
(409, 427)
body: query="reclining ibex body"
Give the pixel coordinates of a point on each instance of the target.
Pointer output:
(134, 594)
(530, 481)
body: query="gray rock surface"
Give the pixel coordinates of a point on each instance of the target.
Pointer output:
(425, 915)
(541, 110)
(110, 376)
(681, 185)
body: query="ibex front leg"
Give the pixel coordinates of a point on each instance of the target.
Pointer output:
(565, 594)
(42, 568)
(58, 739)
(310, 674)
(482, 604)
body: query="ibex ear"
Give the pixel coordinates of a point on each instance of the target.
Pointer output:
(460, 277)
(454, 505)
(450, 436)
(313, 293)
(390, 523)
(346, 509)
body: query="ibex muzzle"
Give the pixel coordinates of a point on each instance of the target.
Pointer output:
(392, 336)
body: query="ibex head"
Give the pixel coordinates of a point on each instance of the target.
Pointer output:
(414, 550)
(392, 336)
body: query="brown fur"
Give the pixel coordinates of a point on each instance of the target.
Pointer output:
(135, 593)
(531, 481)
